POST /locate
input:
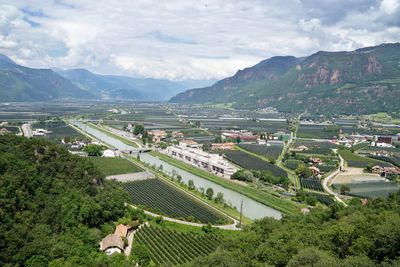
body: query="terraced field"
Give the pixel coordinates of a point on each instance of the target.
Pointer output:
(170, 247)
(250, 162)
(162, 198)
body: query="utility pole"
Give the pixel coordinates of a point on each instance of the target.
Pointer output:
(241, 213)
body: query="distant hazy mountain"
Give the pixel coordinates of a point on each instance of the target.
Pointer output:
(18, 83)
(122, 87)
(361, 81)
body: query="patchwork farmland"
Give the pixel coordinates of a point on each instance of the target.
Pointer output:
(155, 195)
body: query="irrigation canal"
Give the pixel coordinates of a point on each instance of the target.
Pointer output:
(251, 208)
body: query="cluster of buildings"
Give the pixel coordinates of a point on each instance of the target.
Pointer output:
(276, 139)
(385, 171)
(157, 135)
(190, 152)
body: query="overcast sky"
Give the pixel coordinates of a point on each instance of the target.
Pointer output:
(183, 39)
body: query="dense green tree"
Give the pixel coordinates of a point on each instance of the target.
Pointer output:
(53, 205)
(358, 235)
(139, 129)
(303, 171)
(344, 188)
(209, 193)
(191, 185)
(93, 150)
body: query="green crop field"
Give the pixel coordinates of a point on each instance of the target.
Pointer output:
(170, 248)
(370, 189)
(13, 129)
(113, 166)
(59, 130)
(263, 150)
(354, 160)
(162, 198)
(316, 131)
(250, 162)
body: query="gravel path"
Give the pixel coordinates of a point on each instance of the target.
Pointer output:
(128, 177)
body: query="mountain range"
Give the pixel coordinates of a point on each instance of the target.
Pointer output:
(366, 80)
(19, 83)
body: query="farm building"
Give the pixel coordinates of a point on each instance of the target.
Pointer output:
(275, 143)
(112, 244)
(176, 134)
(121, 230)
(244, 136)
(391, 170)
(213, 163)
(316, 160)
(190, 143)
(314, 170)
(222, 146)
(377, 169)
(110, 153)
(157, 135)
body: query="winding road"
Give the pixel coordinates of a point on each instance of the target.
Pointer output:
(329, 178)
(27, 130)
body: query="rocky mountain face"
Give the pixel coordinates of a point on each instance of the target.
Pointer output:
(365, 80)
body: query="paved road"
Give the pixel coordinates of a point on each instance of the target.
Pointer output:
(329, 178)
(27, 130)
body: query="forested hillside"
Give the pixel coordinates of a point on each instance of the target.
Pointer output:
(53, 206)
(354, 236)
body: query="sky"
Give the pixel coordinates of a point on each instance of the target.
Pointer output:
(184, 39)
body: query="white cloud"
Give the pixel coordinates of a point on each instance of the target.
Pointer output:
(182, 39)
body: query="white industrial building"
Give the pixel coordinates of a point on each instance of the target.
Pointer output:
(213, 163)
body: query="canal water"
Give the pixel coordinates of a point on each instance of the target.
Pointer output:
(251, 208)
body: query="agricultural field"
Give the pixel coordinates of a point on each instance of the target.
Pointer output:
(370, 189)
(171, 248)
(369, 149)
(311, 184)
(395, 160)
(218, 125)
(314, 147)
(292, 163)
(324, 199)
(162, 198)
(316, 131)
(354, 160)
(272, 152)
(13, 129)
(250, 162)
(59, 130)
(113, 166)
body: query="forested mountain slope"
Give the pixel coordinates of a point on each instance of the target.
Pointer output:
(19, 83)
(366, 80)
(53, 206)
